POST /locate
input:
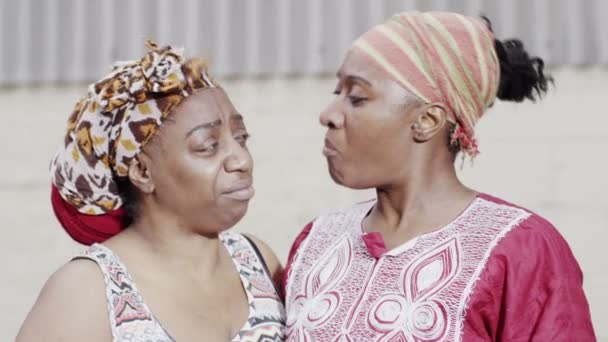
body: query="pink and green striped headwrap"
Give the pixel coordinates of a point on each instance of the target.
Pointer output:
(439, 57)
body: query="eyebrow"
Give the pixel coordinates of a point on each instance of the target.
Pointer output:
(206, 125)
(213, 124)
(236, 117)
(354, 78)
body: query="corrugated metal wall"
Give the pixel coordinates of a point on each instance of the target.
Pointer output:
(49, 41)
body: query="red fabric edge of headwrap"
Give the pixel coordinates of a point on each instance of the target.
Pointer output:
(86, 229)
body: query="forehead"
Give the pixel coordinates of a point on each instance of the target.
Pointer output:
(355, 64)
(205, 105)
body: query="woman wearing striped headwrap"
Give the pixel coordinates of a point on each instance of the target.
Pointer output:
(153, 171)
(429, 259)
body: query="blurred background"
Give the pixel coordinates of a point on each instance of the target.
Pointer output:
(276, 59)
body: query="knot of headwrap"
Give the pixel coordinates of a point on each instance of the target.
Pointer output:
(439, 57)
(158, 72)
(112, 123)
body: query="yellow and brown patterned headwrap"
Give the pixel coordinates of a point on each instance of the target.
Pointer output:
(439, 57)
(112, 123)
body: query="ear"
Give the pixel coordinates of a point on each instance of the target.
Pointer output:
(429, 122)
(139, 175)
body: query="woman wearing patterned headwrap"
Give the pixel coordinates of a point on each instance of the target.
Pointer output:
(155, 166)
(429, 259)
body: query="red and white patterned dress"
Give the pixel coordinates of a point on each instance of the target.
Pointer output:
(496, 273)
(131, 320)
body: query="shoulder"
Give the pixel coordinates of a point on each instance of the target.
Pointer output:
(266, 252)
(533, 228)
(331, 219)
(534, 240)
(71, 307)
(270, 258)
(538, 239)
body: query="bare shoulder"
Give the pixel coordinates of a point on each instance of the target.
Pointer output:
(70, 307)
(272, 261)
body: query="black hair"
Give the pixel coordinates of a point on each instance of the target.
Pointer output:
(521, 76)
(129, 197)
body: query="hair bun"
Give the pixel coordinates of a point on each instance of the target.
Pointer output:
(521, 76)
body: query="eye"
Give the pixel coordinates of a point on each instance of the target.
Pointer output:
(208, 148)
(356, 100)
(242, 138)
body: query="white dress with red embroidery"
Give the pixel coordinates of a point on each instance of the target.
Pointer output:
(496, 273)
(132, 321)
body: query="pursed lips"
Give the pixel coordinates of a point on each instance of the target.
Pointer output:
(241, 190)
(329, 150)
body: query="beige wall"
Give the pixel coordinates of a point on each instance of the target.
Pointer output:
(551, 157)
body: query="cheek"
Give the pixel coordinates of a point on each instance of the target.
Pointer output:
(200, 177)
(190, 179)
(375, 149)
(372, 139)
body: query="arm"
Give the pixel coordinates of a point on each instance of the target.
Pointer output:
(531, 289)
(70, 307)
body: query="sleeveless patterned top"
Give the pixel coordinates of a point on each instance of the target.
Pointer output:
(131, 320)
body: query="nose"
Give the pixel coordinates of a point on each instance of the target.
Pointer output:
(332, 117)
(238, 159)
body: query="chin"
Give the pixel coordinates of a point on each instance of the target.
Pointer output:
(348, 179)
(235, 215)
(341, 178)
(335, 173)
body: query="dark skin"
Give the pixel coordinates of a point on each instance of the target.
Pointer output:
(380, 136)
(193, 181)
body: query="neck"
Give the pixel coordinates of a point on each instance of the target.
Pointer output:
(174, 245)
(429, 195)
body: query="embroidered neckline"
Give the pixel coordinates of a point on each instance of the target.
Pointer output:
(376, 238)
